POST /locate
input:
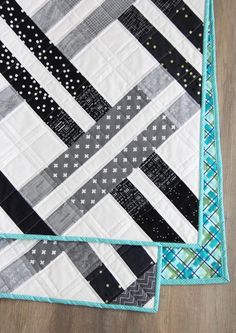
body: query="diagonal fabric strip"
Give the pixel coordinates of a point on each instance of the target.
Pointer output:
(19, 211)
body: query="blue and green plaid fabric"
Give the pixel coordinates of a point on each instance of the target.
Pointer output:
(186, 266)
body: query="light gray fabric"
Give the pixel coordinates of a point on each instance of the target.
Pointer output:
(52, 12)
(9, 100)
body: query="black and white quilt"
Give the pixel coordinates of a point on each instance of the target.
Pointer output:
(100, 120)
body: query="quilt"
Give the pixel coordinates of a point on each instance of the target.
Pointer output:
(101, 106)
(28, 268)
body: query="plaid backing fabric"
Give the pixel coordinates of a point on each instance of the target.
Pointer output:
(207, 264)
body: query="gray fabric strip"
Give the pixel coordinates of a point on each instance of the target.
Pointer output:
(141, 291)
(97, 21)
(9, 100)
(52, 12)
(42, 254)
(119, 168)
(89, 143)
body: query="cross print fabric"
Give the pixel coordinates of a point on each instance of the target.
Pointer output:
(100, 120)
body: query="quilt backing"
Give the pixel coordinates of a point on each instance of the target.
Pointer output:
(100, 120)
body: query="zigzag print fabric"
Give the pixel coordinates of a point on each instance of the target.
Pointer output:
(100, 121)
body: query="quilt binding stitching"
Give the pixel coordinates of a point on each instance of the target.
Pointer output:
(225, 274)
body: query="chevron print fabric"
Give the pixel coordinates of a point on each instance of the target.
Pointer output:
(110, 87)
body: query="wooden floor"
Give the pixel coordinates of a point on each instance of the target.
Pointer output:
(197, 309)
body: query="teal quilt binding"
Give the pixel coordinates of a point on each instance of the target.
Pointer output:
(208, 264)
(154, 309)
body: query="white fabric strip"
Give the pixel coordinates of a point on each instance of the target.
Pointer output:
(114, 263)
(107, 219)
(161, 22)
(60, 279)
(14, 251)
(198, 7)
(185, 143)
(3, 82)
(7, 225)
(44, 77)
(26, 146)
(31, 7)
(72, 19)
(164, 207)
(73, 183)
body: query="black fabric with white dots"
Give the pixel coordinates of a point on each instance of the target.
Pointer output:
(138, 207)
(184, 19)
(104, 283)
(39, 100)
(163, 51)
(173, 187)
(52, 58)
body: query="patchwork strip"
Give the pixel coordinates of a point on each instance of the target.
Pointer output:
(19, 211)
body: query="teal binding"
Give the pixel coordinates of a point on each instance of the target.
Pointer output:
(98, 305)
(209, 264)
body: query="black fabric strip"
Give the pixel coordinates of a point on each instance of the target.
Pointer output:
(45, 107)
(20, 211)
(136, 205)
(163, 51)
(136, 258)
(184, 19)
(104, 283)
(173, 187)
(52, 58)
